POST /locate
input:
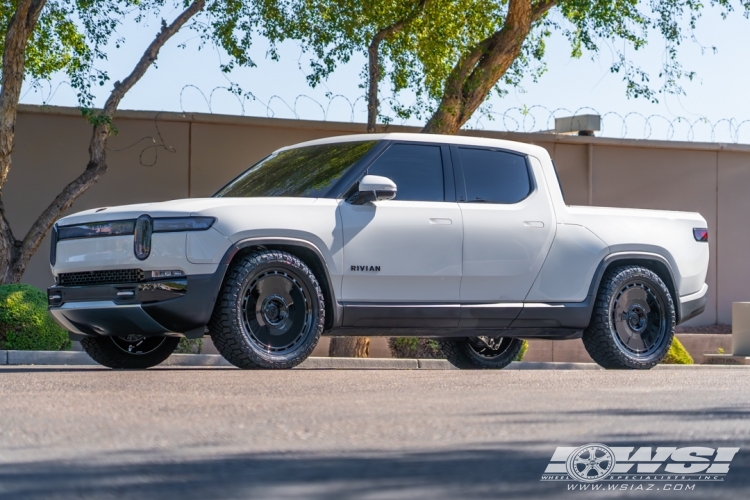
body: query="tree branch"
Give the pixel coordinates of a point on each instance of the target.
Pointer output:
(97, 154)
(541, 8)
(373, 63)
(475, 74)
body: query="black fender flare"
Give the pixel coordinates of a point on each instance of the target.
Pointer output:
(282, 241)
(639, 258)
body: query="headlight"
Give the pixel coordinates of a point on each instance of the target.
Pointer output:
(176, 224)
(144, 227)
(125, 227)
(92, 229)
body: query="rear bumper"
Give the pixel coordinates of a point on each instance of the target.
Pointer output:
(694, 304)
(176, 307)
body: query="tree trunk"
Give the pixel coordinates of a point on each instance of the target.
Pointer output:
(373, 104)
(17, 36)
(349, 347)
(478, 71)
(13, 267)
(373, 64)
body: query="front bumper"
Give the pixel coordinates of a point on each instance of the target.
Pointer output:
(166, 307)
(694, 304)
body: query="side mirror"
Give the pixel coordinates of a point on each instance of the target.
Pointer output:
(374, 188)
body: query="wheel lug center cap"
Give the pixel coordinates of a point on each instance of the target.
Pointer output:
(274, 310)
(636, 318)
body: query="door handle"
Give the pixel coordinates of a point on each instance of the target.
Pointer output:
(441, 222)
(533, 223)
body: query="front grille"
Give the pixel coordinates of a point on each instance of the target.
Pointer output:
(101, 277)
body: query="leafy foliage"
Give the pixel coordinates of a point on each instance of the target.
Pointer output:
(430, 49)
(415, 348)
(189, 346)
(522, 352)
(71, 36)
(25, 323)
(678, 355)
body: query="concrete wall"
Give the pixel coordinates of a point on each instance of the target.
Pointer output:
(161, 156)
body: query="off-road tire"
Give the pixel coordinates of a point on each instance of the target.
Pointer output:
(601, 338)
(105, 351)
(462, 354)
(228, 326)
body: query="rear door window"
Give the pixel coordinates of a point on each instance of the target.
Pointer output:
(494, 176)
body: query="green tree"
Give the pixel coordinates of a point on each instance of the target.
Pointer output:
(333, 31)
(454, 53)
(498, 56)
(43, 37)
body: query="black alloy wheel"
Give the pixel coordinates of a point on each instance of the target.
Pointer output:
(277, 311)
(633, 322)
(270, 312)
(482, 352)
(133, 352)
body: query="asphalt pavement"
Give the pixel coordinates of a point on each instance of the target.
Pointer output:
(197, 433)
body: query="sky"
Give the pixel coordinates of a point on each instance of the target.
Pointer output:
(714, 108)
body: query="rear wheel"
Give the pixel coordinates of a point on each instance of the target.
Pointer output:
(134, 352)
(481, 352)
(632, 326)
(270, 312)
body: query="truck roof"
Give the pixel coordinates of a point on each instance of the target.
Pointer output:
(520, 147)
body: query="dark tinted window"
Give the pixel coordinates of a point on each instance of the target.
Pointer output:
(494, 176)
(417, 171)
(305, 172)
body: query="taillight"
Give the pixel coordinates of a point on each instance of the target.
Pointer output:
(700, 234)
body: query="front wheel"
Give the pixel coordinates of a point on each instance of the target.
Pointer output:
(131, 352)
(632, 326)
(481, 352)
(270, 312)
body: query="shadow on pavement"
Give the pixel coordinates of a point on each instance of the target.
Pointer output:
(500, 473)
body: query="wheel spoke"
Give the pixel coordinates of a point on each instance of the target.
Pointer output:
(276, 311)
(637, 316)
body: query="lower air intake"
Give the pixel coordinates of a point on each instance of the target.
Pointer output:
(101, 277)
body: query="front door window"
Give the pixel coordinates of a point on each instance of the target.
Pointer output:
(407, 249)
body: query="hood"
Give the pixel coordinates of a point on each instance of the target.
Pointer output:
(176, 208)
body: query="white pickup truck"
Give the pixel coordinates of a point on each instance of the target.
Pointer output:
(467, 240)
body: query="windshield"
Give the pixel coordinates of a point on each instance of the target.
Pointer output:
(301, 172)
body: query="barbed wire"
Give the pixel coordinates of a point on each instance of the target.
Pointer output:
(535, 118)
(325, 107)
(525, 119)
(631, 125)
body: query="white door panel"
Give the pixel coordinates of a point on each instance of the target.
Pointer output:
(570, 266)
(504, 247)
(411, 251)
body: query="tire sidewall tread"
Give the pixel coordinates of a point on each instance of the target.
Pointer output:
(226, 328)
(598, 338)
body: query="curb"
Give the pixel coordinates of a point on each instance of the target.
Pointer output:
(73, 358)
